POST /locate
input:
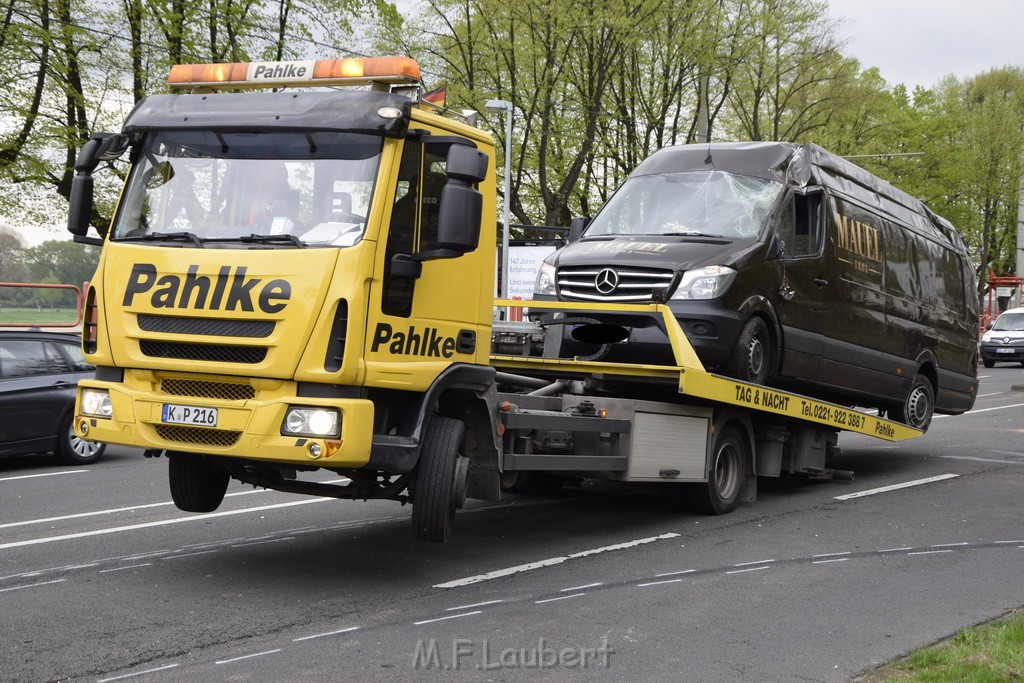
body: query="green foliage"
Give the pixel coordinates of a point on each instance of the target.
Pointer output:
(992, 652)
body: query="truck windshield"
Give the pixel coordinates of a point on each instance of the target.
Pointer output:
(272, 189)
(698, 203)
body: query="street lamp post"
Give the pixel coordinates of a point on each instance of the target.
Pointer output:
(497, 106)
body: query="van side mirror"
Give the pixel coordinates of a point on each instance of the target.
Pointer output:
(576, 227)
(100, 147)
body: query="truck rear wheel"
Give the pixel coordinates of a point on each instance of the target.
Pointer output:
(197, 485)
(751, 357)
(721, 492)
(440, 480)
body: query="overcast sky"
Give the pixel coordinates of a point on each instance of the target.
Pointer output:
(917, 42)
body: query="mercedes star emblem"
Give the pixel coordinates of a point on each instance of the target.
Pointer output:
(606, 281)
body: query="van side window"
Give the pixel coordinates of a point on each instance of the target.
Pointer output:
(800, 225)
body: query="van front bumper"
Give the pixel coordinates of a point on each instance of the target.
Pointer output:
(710, 327)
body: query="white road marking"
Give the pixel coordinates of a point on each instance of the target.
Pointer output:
(478, 604)
(985, 410)
(262, 541)
(740, 571)
(1010, 542)
(929, 552)
(998, 393)
(562, 597)
(255, 654)
(324, 635)
(950, 545)
(452, 616)
(31, 585)
(657, 583)
(498, 573)
(976, 459)
(895, 550)
(833, 554)
(838, 559)
(45, 474)
(579, 588)
(131, 566)
(747, 564)
(166, 522)
(894, 487)
(198, 552)
(684, 571)
(137, 673)
(131, 508)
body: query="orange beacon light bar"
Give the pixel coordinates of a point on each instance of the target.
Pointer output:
(247, 75)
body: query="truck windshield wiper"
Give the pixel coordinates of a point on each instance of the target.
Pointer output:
(168, 236)
(286, 237)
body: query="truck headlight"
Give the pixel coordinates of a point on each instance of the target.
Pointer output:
(96, 403)
(708, 282)
(316, 422)
(545, 282)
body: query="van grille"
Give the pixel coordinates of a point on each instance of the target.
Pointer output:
(198, 435)
(208, 352)
(227, 391)
(611, 283)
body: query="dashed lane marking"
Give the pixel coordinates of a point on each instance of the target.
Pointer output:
(895, 487)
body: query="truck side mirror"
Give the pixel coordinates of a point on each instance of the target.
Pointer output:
(576, 227)
(100, 147)
(458, 221)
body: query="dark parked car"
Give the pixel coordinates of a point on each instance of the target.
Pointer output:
(38, 374)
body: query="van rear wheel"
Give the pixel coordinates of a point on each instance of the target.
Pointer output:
(751, 357)
(916, 410)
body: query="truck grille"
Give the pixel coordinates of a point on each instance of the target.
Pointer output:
(611, 283)
(198, 435)
(208, 352)
(227, 391)
(208, 327)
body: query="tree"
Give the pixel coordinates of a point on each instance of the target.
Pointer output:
(67, 262)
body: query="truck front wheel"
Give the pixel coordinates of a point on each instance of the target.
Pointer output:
(721, 492)
(197, 485)
(440, 484)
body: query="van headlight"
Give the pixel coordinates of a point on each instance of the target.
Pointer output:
(708, 282)
(545, 282)
(308, 421)
(987, 337)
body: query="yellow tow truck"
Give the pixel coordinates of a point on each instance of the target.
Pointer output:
(298, 276)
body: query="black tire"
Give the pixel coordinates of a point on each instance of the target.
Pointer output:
(750, 360)
(990, 363)
(73, 450)
(729, 464)
(440, 484)
(917, 408)
(197, 485)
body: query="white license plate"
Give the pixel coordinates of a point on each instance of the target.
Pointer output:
(1005, 350)
(188, 415)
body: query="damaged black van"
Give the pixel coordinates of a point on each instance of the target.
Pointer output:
(786, 265)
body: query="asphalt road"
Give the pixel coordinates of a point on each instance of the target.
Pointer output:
(102, 578)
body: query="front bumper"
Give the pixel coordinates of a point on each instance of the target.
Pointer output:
(998, 352)
(247, 428)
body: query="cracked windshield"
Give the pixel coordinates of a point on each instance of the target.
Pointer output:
(306, 189)
(699, 203)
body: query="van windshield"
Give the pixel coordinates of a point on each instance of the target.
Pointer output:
(713, 203)
(273, 188)
(1010, 322)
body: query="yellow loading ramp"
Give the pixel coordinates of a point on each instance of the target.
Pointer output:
(694, 380)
